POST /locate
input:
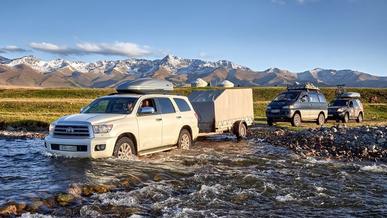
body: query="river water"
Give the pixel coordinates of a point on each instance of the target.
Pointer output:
(218, 177)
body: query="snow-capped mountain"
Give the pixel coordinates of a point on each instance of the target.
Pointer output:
(32, 71)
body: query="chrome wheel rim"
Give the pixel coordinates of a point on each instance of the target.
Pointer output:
(125, 151)
(185, 142)
(297, 119)
(321, 119)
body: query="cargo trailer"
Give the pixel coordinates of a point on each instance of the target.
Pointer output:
(224, 110)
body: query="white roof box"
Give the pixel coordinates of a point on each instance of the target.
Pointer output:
(350, 95)
(145, 85)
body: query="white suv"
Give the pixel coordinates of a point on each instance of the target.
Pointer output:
(123, 125)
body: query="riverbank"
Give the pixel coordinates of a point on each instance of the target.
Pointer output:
(336, 142)
(22, 134)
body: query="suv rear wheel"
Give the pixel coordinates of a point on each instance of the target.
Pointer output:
(321, 119)
(185, 140)
(296, 119)
(124, 149)
(360, 118)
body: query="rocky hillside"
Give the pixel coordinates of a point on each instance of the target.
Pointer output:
(31, 71)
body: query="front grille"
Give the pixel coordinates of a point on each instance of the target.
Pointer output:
(79, 147)
(69, 131)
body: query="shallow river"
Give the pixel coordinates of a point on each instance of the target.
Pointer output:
(216, 178)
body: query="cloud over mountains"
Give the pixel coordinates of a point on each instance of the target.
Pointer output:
(126, 49)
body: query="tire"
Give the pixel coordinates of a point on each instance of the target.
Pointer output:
(346, 118)
(360, 118)
(296, 119)
(185, 140)
(270, 122)
(240, 129)
(124, 149)
(321, 119)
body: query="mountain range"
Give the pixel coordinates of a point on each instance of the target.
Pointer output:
(30, 71)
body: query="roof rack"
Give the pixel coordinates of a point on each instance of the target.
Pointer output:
(303, 86)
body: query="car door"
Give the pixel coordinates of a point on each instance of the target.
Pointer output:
(351, 109)
(304, 106)
(150, 127)
(171, 121)
(356, 109)
(314, 106)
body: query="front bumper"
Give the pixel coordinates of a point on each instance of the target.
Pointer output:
(336, 116)
(52, 145)
(279, 114)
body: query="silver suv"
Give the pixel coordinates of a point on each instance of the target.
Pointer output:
(299, 103)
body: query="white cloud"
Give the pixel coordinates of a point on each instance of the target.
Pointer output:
(12, 48)
(117, 48)
(52, 48)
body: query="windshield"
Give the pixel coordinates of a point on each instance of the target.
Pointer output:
(287, 96)
(111, 106)
(339, 103)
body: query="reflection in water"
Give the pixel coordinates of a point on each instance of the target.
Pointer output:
(216, 178)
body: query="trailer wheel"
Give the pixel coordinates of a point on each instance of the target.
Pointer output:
(240, 129)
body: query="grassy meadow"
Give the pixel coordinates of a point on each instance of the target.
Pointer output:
(34, 109)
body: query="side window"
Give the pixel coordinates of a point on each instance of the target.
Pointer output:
(304, 98)
(314, 97)
(182, 104)
(351, 104)
(166, 106)
(149, 102)
(322, 98)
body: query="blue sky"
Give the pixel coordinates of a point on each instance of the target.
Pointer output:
(290, 34)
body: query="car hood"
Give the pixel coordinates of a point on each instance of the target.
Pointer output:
(92, 118)
(336, 107)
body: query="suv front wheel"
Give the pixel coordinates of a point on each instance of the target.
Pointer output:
(185, 140)
(360, 118)
(124, 149)
(346, 118)
(296, 119)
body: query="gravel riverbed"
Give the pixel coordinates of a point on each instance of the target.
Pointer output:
(338, 142)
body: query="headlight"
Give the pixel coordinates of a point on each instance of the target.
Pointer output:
(340, 110)
(102, 128)
(51, 128)
(287, 107)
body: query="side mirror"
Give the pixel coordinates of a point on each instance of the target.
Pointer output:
(147, 110)
(80, 111)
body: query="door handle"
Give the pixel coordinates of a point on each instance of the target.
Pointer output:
(159, 119)
(178, 117)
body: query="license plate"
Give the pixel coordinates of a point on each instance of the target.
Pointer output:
(67, 148)
(275, 111)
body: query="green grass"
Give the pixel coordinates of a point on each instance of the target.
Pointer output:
(35, 109)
